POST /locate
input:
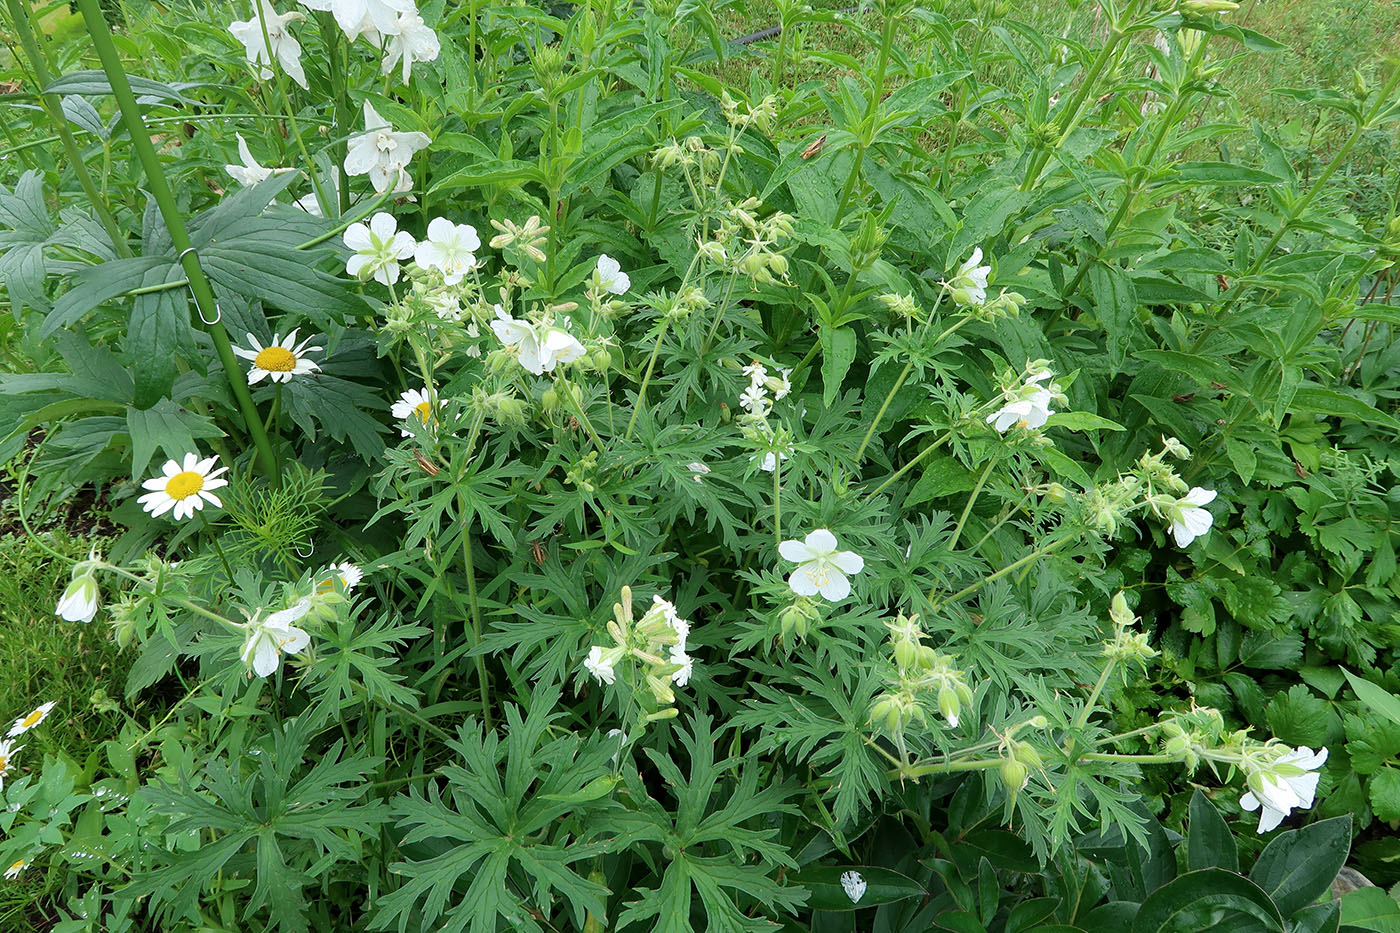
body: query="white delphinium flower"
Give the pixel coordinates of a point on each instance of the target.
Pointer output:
(250, 172)
(1028, 405)
(450, 248)
(821, 567)
(416, 407)
(364, 17)
(383, 154)
(280, 360)
(378, 248)
(80, 600)
(184, 487)
(8, 751)
(271, 637)
(538, 347)
(284, 44)
(854, 885)
(1279, 787)
(610, 276)
(968, 286)
(600, 664)
(27, 722)
(1188, 520)
(412, 41)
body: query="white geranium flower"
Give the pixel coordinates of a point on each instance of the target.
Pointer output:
(450, 248)
(8, 750)
(383, 154)
(968, 285)
(250, 172)
(280, 360)
(600, 665)
(80, 600)
(413, 41)
(284, 44)
(1027, 406)
(415, 407)
(1188, 520)
(183, 487)
(539, 348)
(271, 637)
(363, 17)
(25, 723)
(378, 248)
(611, 278)
(1288, 783)
(821, 568)
(854, 885)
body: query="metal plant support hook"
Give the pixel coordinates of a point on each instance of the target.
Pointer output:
(218, 311)
(310, 549)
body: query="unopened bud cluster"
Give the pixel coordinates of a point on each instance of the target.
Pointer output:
(655, 644)
(921, 674)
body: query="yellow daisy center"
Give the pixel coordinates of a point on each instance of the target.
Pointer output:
(424, 410)
(4, 763)
(17, 867)
(32, 720)
(275, 360)
(183, 485)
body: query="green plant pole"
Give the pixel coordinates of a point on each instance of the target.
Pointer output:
(54, 108)
(170, 213)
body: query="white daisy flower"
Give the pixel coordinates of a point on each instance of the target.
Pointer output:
(347, 573)
(378, 248)
(1188, 520)
(25, 723)
(250, 172)
(184, 487)
(854, 885)
(1287, 783)
(968, 285)
(600, 665)
(450, 248)
(415, 407)
(414, 41)
(611, 278)
(280, 360)
(8, 751)
(821, 568)
(383, 154)
(80, 600)
(15, 868)
(269, 638)
(284, 44)
(539, 348)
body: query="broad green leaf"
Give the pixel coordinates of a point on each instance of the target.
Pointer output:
(1298, 866)
(1377, 699)
(95, 82)
(1371, 909)
(1197, 900)
(838, 353)
(167, 426)
(882, 886)
(1209, 842)
(1082, 421)
(1115, 306)
(1335, 404)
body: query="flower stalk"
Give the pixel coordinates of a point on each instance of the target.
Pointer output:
(179, 237)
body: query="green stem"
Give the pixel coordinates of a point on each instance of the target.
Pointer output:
(1132, 759)
(900, 381)
(214, 540)
(54, 109)
(339, 52)
(646, 379)
(1082, 719)
(179, 237)
(872, 111)
(1009, 568)
(777, 498)
(910, 465)
(945, 767)
(482, 681)
(972, 497)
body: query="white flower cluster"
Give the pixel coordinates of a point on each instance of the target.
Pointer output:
(656, 642)
(757, 406)
(1156, 486)
(392, 26)
(267, 638)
